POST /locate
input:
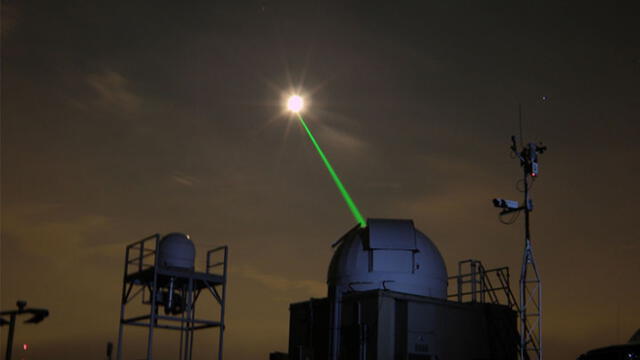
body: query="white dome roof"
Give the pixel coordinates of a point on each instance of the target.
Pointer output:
(176, 250)
(388, 254)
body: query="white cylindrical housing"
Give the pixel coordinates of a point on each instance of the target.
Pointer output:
(176, 250)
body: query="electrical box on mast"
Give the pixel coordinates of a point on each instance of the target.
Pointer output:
(529, 156)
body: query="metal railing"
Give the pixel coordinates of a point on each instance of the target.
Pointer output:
(211, 264)
(140, 255)
(474, 283)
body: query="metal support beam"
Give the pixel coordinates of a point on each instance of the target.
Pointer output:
(12, 328)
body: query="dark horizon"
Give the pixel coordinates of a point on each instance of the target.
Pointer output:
(120, 120)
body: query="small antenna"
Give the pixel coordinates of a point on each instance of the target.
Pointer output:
(520, 123)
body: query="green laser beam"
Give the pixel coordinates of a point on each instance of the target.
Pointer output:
(352, 206)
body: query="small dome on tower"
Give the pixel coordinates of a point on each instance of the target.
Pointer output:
(176, 250)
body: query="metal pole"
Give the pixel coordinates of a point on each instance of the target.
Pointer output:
(154, 297)
(539, 316)
(182, 329)
(120, 332)
(525, 256)
(527, 232)
(473, 281)
(192, 315)
(187, 316)
(123, 305)
(152, 320)
(483, 285)
(524, 330)
(187, 321)
(459, 280)
(223, 304)
(12, 327)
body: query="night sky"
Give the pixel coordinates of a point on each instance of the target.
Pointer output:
(121, 119)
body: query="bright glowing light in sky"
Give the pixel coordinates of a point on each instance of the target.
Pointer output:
(295, 103)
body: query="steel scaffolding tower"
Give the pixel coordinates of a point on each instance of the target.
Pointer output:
(177, 290)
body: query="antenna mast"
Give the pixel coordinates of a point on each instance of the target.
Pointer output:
(530, 304)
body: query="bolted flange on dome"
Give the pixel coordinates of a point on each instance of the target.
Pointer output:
(388, 254)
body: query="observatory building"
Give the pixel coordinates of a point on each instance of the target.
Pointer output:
(387, 299)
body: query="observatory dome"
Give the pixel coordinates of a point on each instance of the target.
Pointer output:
(388, 254)
(176, 250)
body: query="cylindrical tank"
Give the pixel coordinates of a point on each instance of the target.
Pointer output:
(176, 250)
(388, 254)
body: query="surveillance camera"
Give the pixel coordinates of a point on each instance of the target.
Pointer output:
(505, 204)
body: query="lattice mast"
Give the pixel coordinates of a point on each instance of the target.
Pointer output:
(530, 301)
(530, 283)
